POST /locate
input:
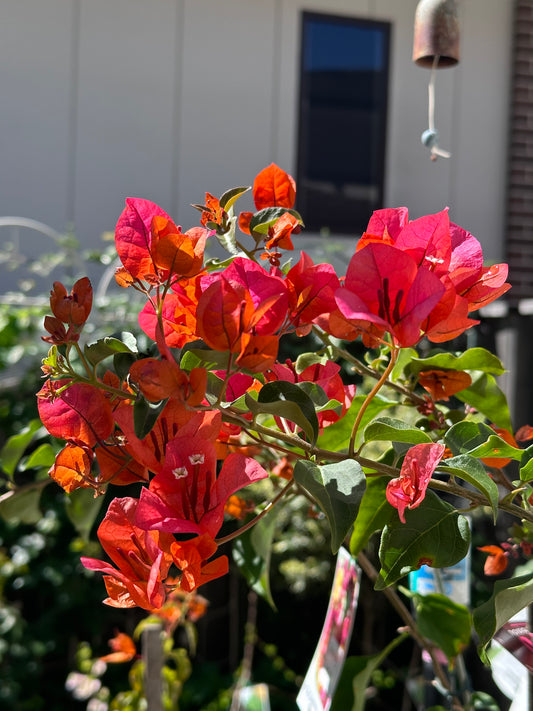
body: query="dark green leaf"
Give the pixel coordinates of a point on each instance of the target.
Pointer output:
(43, 456)
(16, 445)
(509, 597)
(479, 701)
(471, 470)
(319, 397)
(289, 401)
(375, 513)
(82, 508)
(122, 363)
(336, 437)
(472, 359)
(103, 348)
(495, 446)
(228, 198)
(390, 429)
(526, 467)
(485, 396)
(444, 622)
(251, 552)
(434, 533)
(145, 415)
(263, 219)
(21, 506)
(357, 675)
(338, 489)
(315, 392)
(204, 358)
(465, 436)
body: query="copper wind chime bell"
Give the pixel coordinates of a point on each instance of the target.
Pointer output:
(435, 46)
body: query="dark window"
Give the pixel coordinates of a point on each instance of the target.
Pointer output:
(343, 106)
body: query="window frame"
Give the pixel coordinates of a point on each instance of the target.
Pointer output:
(303, 112)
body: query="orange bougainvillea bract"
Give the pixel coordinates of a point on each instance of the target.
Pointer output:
(208, 404)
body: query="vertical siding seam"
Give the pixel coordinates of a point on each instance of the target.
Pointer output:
(72, 138)
(455, 133)
(177, 108)
(276, 83)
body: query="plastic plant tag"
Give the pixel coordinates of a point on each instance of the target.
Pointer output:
(511, 657)
(252, 698)
(454, 582)
(321, 680)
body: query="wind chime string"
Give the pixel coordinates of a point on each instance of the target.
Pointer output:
(430, 137)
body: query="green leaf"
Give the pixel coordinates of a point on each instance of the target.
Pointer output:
(465, 436)
(315, 392)
(357, 675)
(337, 436)
(479, 701)
(509, 597)
(251, 552)
(305, 360)
(228, 199)
(495, 446)
(471, 470)
(204, 358)
(122, 363)
(82, 508)
(289, 401)
(403, 362)
(228, 240)
(485, 396)
(390, 429)
(43, 456)
(263, 219)
(375, 513)
(434, 533)
(16, 445)
(319, 397)
(21, 506)
(145, 415)
(472, 359)
(444, 622)
(526, 467)
(104, 348)
(338, 489)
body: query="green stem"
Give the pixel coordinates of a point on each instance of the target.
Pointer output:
(366, 371)
(226, 380)
(403, 612)
(88, 369)
(477, 498)
(286, 489)
(369, 398)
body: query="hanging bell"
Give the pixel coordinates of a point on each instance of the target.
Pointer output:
(436, 39)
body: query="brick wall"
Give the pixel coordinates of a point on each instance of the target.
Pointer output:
(520, 178)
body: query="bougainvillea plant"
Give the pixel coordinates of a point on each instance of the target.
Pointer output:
(211, 407)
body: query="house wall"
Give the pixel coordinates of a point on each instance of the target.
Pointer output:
(166, 99)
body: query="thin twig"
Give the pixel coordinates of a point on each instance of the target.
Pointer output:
(250, 524)
(410, 623)
(369, 398)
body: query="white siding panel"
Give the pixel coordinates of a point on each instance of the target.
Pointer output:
(126, 97)
(35, 78)
(411, 178)
(226, 114)
(165, 99)
(478, 189)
